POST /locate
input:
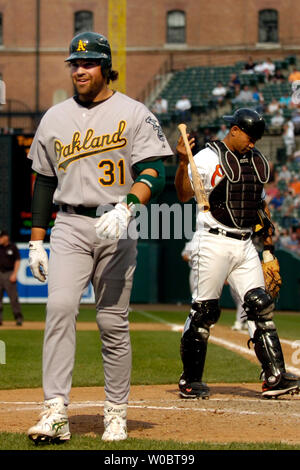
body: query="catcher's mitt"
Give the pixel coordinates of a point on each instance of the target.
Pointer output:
(272, 277)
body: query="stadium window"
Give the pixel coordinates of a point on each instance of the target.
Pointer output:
(83, 21)
(268, 26)
(176, 26)
(1, 29)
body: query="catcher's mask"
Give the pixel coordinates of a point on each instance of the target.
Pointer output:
(249, 121)
(89, 45)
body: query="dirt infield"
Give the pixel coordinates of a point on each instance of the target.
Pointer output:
(234, 412)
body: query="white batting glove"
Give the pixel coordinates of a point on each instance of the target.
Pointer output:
(113, 224)
(38, 260)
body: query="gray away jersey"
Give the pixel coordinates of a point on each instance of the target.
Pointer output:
(92, 151)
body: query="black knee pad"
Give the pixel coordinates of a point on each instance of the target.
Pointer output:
(258, 305)
(205, 313)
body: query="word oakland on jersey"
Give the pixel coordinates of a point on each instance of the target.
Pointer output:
(71, 138)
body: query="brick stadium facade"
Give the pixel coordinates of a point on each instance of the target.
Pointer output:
(36, 34)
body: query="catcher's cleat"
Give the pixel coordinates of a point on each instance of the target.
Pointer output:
(193, 389)
(115, 427)
(288, 384)
(53, 425)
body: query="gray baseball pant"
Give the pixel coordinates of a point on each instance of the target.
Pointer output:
(77, 257)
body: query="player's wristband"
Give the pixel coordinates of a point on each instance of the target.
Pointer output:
(269, 248)
(155, 183)
(267, 256)
(132, 201)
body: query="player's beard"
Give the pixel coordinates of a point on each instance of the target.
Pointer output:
(88, 90)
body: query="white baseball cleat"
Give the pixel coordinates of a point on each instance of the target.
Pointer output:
(53, 424)
(115, 428)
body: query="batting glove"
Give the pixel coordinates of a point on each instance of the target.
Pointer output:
(114, 223)
(38, 260)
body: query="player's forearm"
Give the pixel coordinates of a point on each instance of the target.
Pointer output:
(141, 190)
(37, 233)
(149, 183)
(183, 185)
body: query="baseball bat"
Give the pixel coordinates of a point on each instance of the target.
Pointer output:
(200, 194)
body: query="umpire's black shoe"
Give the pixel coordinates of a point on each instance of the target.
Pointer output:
(289, 383)
(19, 320)
(193, 389)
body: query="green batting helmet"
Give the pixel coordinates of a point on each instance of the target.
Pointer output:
(249, 121)
(90, 45)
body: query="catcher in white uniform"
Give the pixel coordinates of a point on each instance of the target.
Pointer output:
(233, 173)
(186, 254)
(97, 155)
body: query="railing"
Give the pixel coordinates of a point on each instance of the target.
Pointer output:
(16, 116)
(156, 83)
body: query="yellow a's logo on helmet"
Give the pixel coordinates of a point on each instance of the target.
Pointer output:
(81, 46)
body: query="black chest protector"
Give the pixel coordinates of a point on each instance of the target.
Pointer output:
(235, 200)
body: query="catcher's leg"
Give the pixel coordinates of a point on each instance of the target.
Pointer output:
(259, 307)
(193, 347)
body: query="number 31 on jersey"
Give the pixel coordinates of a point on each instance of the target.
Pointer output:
(114, 172)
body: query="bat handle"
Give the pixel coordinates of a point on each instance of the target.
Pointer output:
(202, 202)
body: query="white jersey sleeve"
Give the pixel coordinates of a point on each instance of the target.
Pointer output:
(207, 164)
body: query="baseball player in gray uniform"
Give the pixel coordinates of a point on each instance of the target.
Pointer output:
(97, 155)
(233, 173)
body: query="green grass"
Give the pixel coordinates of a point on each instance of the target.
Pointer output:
(156, 360)
(14, 441)
(87, 313)
(288, 324)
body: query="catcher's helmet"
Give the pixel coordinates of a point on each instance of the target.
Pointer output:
(90, 45)
(249, 121)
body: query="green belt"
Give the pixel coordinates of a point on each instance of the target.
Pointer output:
(87, 211)
(80, 210)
